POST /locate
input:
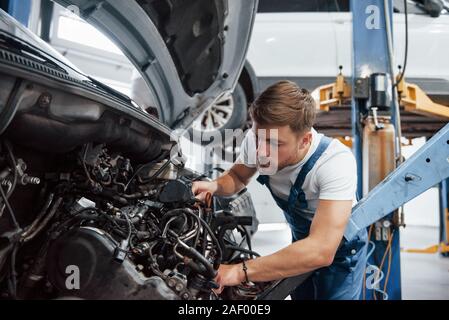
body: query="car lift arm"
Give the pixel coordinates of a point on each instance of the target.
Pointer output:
(426, 168)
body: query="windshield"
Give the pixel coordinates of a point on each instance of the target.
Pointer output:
(431, 7)
(20, 34)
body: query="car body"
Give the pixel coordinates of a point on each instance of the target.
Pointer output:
(307, 42)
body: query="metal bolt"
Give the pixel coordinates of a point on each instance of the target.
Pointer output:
(44, 100)
(185, 296)
(171, 283)
(179, 287)
(26, 179)
(139, 267)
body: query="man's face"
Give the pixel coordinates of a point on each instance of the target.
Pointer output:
(279, 147)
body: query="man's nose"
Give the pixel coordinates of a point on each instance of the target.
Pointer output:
(263, 149)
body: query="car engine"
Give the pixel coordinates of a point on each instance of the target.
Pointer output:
(91, 224)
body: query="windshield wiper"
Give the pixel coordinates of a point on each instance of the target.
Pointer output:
(21, 48)
(109, 90)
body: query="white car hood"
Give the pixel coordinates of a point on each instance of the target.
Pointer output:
(189, 52)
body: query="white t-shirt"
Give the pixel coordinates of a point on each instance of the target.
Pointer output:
(333, 177)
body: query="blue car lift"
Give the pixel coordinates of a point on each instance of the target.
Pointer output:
(20, 10)
(429, 166)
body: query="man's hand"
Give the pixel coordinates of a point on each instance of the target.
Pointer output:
(201, 188)
(229, 275)
(311, 253)
(228, 184)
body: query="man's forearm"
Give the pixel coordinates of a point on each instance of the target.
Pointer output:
(228, 184)
(298, 258)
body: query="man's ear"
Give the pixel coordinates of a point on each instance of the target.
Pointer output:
(306, 139)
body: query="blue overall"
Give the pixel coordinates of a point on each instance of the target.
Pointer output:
(343, 279)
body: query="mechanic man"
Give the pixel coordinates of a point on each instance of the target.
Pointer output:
(313, 180)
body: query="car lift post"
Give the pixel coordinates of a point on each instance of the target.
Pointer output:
(444, 217)
(372, 75)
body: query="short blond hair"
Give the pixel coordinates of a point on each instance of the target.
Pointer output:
(284, 103)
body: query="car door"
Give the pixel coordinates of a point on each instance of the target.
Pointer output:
(293, 39)
(428, 52)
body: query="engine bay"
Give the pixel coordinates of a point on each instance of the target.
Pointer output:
(129, 232)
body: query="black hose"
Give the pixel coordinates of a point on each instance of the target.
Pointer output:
(250, 252)
(197, 237)
(43, 211)
(134, 220)
(159, 171)
(80, 215)
(404, 66)
(60, 137)
(212, 235)
(194, 254)
(14, 166)
(129, 226)
(45, 221)
(13, 273)
(11, 212)
(190, 252)
(175, 213)
(247, 237)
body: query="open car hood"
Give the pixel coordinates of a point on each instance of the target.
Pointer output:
(189, 52)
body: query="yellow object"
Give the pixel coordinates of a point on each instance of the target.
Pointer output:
(401, 85)
(333, 94)
(442, 248)
(347, 141)
(412, 97)
(447, 225)
(415, 100)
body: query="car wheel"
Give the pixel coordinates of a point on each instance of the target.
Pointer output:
(230, 112)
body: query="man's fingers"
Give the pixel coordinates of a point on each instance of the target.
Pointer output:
(219, 290)
(195, 187)
(201, 196)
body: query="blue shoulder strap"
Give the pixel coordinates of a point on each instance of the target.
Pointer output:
(297, 186)
(295, 193)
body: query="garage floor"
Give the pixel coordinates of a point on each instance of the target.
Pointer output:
(424, 276)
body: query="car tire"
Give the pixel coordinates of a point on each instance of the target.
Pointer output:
(237, 106)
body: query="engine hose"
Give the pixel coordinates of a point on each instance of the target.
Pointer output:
(12, 283)
(41, 214)
(243, 250)
(44, 222)
(12, 158)
(134, 220)
(190, 252)
(212, 235)
(174, 214)
(61, 137)
(198, 268)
